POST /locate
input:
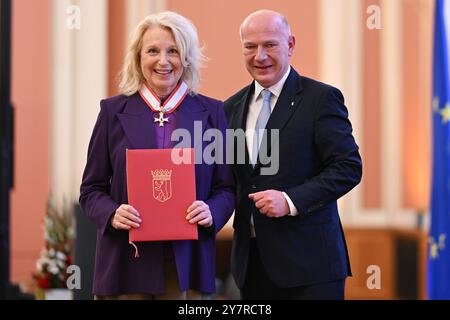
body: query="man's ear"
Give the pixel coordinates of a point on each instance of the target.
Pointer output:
(291, 45)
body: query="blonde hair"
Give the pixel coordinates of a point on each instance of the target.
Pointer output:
(186, 39)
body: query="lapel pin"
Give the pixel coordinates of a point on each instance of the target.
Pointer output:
(292, 103)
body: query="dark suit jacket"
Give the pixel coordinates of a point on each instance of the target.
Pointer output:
(318, 163)
(127, 122)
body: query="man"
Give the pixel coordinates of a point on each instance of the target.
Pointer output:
(288, 241)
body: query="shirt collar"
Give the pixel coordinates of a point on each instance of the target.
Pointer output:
(275, 89)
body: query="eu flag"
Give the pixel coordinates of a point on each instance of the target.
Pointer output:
(438, 246)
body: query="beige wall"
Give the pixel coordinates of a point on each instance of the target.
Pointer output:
(417, 17)
(116, 42)
(31, 89)
(371, 101)
(218, 26)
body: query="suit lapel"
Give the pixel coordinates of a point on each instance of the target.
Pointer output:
(137, 123)
(241, 107)
(240, 122)
(287, 102)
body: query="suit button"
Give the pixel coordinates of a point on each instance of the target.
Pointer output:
(253, 186)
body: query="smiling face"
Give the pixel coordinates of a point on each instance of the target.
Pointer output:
(160, 60)
(267, 47)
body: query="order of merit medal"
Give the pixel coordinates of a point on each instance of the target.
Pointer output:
(170, 105)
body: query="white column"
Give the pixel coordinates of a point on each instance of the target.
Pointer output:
(352, 87)
(139, 9)
(79, 82)
(91, 79)
(341, 66)
(63, 103)
(331, 41)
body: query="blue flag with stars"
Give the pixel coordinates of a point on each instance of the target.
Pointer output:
(438, 283)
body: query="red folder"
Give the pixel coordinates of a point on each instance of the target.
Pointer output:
(161, 191)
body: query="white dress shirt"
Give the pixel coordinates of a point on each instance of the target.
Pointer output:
(253, 111)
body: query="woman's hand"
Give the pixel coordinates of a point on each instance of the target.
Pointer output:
(199, 212)
(125, 218)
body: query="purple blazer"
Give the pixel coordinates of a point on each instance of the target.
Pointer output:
(127, 122)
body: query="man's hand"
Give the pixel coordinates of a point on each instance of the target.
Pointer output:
(199, 212)
(270, 203)
(125, 218)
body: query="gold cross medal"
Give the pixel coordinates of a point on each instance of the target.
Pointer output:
(169, 106)
(161, 119)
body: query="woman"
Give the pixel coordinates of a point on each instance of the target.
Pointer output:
(159, 85)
